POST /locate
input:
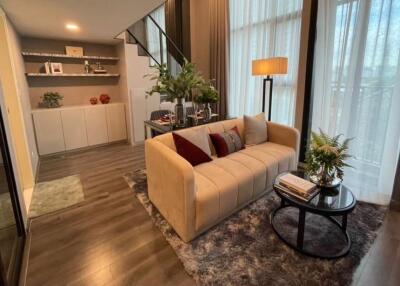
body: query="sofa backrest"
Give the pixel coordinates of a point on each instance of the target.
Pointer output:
(215, 127)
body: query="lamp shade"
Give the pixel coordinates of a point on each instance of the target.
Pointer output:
(277, 65)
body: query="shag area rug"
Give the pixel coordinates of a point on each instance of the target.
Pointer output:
(244, 249)
(55, 195)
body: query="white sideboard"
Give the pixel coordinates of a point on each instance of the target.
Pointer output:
(74, 127)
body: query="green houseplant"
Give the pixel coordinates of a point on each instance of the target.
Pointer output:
(51, 99)
(325, 159)
(176, 87)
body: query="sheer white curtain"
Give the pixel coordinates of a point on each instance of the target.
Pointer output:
(263, 29)
(357, 88)
(153, 35)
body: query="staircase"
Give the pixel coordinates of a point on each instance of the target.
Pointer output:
(146, 44)
(149, 33)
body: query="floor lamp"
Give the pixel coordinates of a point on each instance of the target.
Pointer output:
(269, 67)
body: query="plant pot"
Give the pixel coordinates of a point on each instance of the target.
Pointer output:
(333, 184)
(180, 113)
(51, 104)
(207, 113)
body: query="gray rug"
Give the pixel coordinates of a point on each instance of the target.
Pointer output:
(244, 250)
(55, 195)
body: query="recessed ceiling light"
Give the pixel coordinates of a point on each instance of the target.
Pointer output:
(72, 27)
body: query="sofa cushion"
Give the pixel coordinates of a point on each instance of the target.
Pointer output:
(225, 184)
(285, 155)
(206, 200)
(256, 167)
(242, 175)
(194, 148)
(226, 142)
(255, 129)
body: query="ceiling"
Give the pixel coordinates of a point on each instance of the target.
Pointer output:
(99, 21)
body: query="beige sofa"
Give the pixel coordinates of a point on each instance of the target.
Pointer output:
(193, 199)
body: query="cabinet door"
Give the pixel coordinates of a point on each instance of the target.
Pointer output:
(49, 132)
(73, 122)
(96, 125)
(116, 123)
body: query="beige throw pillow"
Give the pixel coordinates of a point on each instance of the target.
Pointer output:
(197, 136)
(255, 129)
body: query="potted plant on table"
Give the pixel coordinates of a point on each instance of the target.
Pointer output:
(325, 159)
(177, 87)
(207, 95)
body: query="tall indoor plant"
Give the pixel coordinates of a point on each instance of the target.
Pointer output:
(325, 159)
(177, 87)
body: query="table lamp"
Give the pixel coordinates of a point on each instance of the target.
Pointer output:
(269, 67)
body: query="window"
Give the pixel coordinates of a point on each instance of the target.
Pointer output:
(356, 83)
(263, 29)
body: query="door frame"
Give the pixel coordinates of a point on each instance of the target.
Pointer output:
(13, 274)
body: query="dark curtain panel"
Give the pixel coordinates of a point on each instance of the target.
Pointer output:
(219, 51)
(395, 203)
(177, 25)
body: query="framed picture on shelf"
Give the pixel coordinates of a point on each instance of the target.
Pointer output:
(47, 67)
(56, 68)
(74, 51)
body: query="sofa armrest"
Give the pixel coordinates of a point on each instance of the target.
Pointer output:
(284, 135)
(171, 188)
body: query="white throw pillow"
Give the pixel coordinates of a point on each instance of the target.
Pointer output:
(255, 129)
(198, 137)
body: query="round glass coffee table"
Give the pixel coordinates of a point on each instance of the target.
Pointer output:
(312, 227)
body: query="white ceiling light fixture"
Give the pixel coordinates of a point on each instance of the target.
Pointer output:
(72, 27)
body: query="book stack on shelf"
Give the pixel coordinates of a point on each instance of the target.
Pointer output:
(297, 187)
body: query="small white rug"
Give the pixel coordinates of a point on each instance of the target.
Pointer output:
(55, 195)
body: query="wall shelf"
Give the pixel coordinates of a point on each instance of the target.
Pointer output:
(72, 75)
(49, 55)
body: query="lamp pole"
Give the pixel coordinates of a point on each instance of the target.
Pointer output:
(270, 79)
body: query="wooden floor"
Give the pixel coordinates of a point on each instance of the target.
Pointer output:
(110, 240)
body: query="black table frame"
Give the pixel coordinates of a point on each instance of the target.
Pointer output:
(303, 209)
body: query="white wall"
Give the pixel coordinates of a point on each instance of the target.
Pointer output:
(16, 112)
(123, 83)
(23, 93)
(136, 68)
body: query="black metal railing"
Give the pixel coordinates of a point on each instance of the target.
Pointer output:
(154, 42)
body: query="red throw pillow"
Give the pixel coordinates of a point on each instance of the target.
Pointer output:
(190, 151)
(227, 142)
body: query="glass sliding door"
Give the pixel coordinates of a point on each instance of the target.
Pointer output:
(356, 88)
(12, 233)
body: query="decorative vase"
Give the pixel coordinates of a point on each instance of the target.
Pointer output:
(180, 113)
(325, 184)
(207, 113)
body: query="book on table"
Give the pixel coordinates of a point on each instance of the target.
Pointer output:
(298, 187)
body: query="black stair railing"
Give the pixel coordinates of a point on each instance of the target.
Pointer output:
(154, 42)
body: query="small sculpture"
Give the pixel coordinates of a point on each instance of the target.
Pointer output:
(93, 100)
(104, 98)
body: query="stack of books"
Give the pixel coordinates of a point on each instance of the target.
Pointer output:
(298, 187)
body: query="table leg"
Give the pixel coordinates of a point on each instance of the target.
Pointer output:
(145, 132)
(344, 222)
(300, 228)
